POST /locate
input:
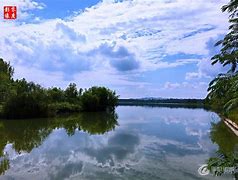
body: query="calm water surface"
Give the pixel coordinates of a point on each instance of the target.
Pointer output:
(134, 143)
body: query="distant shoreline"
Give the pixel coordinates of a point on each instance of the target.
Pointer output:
(173, 103)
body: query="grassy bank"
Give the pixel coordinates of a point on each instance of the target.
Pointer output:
(233, 115)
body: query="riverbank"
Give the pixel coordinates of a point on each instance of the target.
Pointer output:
(231, 121)
(233, 115)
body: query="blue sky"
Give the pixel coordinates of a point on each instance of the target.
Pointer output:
(63, 8)
(140, 48)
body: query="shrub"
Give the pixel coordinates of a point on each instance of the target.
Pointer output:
(25, 106)
(64, 107)
(98, 99)
(27, 101)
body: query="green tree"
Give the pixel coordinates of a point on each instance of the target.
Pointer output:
(22, 99)
(71, 93)
(231, 7)
(232, 101)
(55, 95)
(80, 91)
(229, 51)
(28, 100)
(6, 73)
(99, 99)
(223, 89)
(218, 91)
(6, 69)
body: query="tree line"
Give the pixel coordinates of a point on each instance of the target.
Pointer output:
(172, 102)
(223, 90)
(223, 97)
(22, 99)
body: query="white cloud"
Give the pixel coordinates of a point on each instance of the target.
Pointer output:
(110, 38)
(70, 33)
(169, 85)
(206, 70)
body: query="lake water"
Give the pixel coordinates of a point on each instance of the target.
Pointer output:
(141, 143)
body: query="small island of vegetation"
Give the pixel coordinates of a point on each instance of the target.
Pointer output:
(21, 99)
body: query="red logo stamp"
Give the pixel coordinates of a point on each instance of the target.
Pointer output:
(10, 12)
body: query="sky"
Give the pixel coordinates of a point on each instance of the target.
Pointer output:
(139, 48)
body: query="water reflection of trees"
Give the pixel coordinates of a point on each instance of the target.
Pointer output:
(227, 155)
(25, 135)
(92, 123)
